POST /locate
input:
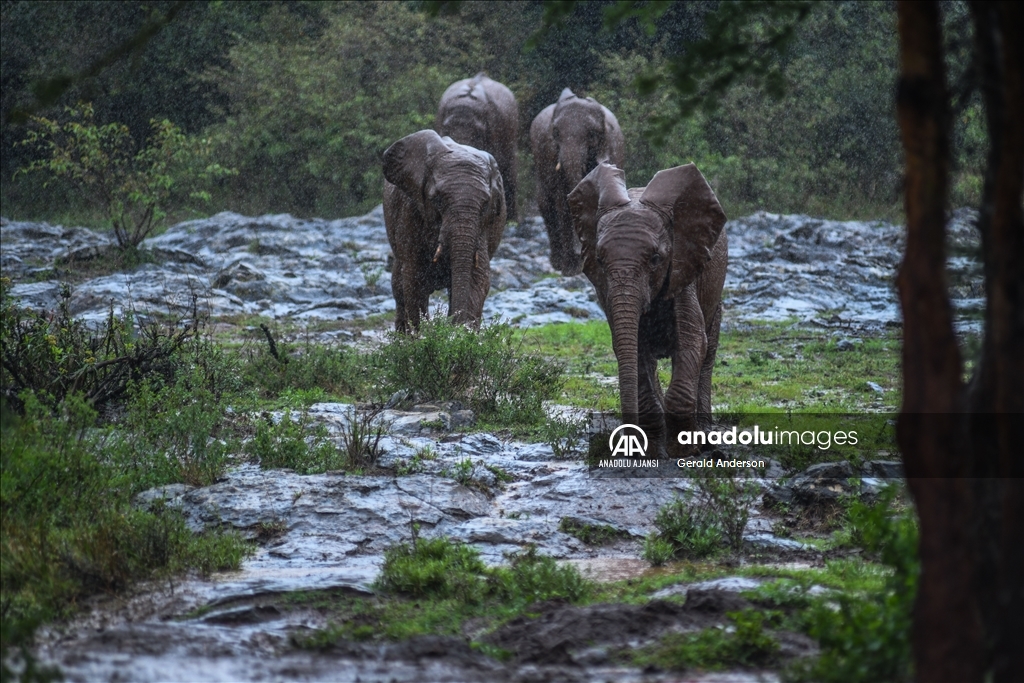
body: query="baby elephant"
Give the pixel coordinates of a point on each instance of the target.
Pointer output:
(444, 210)
(657, 256)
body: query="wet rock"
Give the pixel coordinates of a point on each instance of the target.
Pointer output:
(728, 584)
(829, 483)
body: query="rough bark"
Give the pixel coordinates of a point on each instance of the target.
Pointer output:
(961, 443)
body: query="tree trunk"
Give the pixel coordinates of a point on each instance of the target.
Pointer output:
(961, 448)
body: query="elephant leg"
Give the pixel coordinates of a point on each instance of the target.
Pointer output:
(564, 254)
(687, 358)
(546, 205)
(650, 401)
(398, 291)
(704, 386)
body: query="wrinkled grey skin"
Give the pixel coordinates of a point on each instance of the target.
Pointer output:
(444, 211)
(483, 113)
(569, 138)
(657, 257)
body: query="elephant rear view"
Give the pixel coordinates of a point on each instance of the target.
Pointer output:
(483, 113)
(444, 211)
(569, 138)
(657, 257)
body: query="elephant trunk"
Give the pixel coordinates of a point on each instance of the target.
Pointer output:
(625, 327)
(459, 235)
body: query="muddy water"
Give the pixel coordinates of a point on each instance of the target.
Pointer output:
(332, 529)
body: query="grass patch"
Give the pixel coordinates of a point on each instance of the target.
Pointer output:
(744, 643)
(590, 534)
(69, 528)
(433, 586)
(487, 370)
(759, 368)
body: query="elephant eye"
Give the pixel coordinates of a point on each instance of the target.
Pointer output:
(655, 259)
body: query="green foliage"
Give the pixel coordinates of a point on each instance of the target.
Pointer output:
(324, 106)
(691, 529)
(563, 433)
(868, 637)
(133, 188)
(54, 355)
(591, 534)
(746, 644)
(302, 367)
(175, 430)
(68, 526)
(290, 442)
(657, 550)
(435, 568)
(729, 499)
(361, 436)
(485, 369)
(530, 578)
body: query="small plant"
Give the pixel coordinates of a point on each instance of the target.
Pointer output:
(415, 464)
(484, 369)
(302, 370)
(745, 644)
(531, 577)
(371, 273)
(132, 188)
(730, 499)
(563, 433)
(657, 550)
(462, 472)
(868, 637)
(591, 534)
(693, 529)
(436, 568)
(361, 437)
(54, 354)
(291, 442)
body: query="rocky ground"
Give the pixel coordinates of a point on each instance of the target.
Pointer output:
(328, 532)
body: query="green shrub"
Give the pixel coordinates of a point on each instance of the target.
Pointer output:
(691, 529)
(68, 527)
(485, 369)
(657, 550)
(530, 577)
(53, 355)
(591, 534)
(435, 568)
(133, 189)
(176, 431)
(729, 499)
(563, 434)
(303, 373)
(292, 443)
(714, 648)
(868, 637)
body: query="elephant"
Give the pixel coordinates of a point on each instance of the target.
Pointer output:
(444, 212)
(657, 257)
(483, 113)
(568, 139)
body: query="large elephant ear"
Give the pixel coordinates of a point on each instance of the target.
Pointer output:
(684, 198)
(601, 190)
(407, 161)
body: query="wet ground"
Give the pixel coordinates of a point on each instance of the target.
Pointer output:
(328, 532)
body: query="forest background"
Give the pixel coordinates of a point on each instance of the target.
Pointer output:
(303, 97)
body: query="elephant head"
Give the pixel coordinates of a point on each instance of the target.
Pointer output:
(483, 113)
(444, 212)
(657, 257)
(569, 138)
(581, 135)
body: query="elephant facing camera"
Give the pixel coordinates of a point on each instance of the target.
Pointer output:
(569, 138)
(444, 212)
(657, 256)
